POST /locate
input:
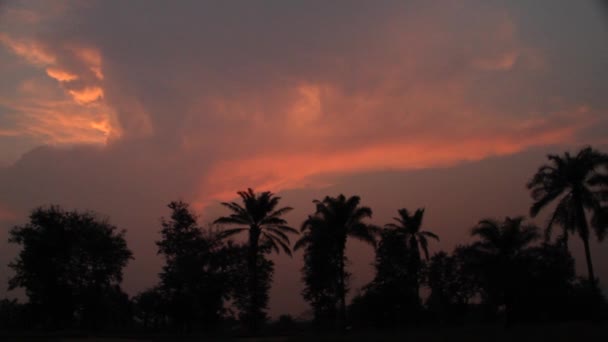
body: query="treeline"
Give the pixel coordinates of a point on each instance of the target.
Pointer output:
(513, 272)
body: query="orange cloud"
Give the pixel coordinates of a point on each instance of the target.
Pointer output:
(66, 112)
(87, 95)
(32, 51)
(92, 58)
(61, 75)
(42, 113)
(288, 171)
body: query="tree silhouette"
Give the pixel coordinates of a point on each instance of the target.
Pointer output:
(545, 285)
(340, 217)
(499, 256)
(409, 227)
(199, 274)
(151, 308)
(391, 299)
(504, 239)
(578, 184)
(261, 219)
(452, 285)
(70, 265)
(242, 298)
(321, 271)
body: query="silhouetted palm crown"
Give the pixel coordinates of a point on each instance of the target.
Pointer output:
(341, 215)
(335, 219)
(410, 226)
(260, 217)
(505, 239)
(581, 182)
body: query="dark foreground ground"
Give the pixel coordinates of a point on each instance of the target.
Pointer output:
(578, 332)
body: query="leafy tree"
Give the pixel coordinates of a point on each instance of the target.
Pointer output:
(545, 288)
(321, 271)
(451, 283)
(151, 309)
(338, 218)
(497, 255)
(391, 299)
(70, 262)
(504, 240)
(267, 230)
(579, 185)
(393, 261)
(198, 275)
(13, 315)
(243, 297)
(534, 283)
(416, 239)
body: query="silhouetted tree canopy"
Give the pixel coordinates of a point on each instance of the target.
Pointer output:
(409, 228)
(200, 274)
(321, 272)
(70, 266)
(267, 231)
(335, 219)
(498, 258)
(150, 309)
(579, 185)
(391, 298)
(242, 295)
(452, 285)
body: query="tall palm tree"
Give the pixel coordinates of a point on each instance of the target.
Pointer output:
(579, 185)
(343, 217)
(261, 219)
(409, 226)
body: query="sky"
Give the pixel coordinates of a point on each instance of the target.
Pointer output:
(123, 106)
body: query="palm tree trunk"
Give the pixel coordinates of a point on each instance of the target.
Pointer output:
(416, 266)
(341, 317)
(594, 314)
(341, 321)
(589, 262)
(584, 234)
(253, 279)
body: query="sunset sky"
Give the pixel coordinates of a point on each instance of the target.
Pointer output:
(123, 106)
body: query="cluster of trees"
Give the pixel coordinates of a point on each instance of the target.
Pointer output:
(71, 264)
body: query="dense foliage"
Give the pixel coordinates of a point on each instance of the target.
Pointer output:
(325, 233)
(71, 267)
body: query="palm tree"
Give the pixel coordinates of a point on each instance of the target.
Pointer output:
(504, 239)
(409, 226)
(262, 220)
(579, 185)
(498, 255)
(343, 217)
